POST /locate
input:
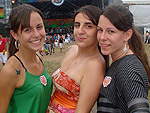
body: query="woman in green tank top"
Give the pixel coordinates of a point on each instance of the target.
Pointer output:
(25, 86)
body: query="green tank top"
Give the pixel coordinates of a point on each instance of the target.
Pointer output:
(34, 95)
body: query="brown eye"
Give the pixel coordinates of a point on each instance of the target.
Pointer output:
(110, 31)
(27, 30)
(76, 25)
(39, 27)
(89, 26)
(100, 30)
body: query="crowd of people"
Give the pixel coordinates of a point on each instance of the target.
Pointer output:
(86, 75)
(59, 30)
(55, 40)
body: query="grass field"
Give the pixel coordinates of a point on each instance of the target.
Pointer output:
(52, 62)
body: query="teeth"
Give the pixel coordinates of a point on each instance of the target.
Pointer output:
(36, 41)
(105, 45)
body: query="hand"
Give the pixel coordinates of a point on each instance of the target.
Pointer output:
(3, 52)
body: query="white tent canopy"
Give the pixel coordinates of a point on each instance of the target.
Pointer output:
(136, 1)
(141, 14)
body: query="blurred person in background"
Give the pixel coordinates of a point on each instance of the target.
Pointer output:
(3, 49)
(61, 43)
(146, 36)
(52, 40)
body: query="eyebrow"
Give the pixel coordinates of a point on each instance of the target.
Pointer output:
(40, 24)
(87, 23)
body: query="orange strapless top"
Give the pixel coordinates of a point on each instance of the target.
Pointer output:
(66, 94)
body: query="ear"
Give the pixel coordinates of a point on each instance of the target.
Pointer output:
(14, 35)
(128, 35)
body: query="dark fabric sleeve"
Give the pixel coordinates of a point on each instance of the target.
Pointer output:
(133, 83)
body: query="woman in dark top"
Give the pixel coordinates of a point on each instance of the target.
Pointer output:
(125, 86)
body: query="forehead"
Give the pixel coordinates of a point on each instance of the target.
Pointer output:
(81, 17)
(105, 22)
(103, 19)
(35, 18)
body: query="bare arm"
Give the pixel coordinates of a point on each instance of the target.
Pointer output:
(90, 86)
(7, 85)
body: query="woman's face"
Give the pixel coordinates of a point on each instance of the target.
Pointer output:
(111, 40)
(85, 32)
(32, 37)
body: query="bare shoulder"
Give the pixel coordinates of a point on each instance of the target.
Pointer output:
(71, 51)
(69, 56)
(72, 48)
(96, 67)
(9, 66)
(96, 62)
(8, 72)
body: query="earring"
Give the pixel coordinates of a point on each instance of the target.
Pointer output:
(125, 48)
(17, 44)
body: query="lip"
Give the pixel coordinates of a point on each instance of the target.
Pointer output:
(81, 39)
(104, 45)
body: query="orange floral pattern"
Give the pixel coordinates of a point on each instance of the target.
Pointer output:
(66, 94)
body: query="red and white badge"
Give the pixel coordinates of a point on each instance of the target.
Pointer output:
(43, 80)
(106, 81)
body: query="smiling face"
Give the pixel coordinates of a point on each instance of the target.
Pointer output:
(111, 40)
(31, 37)
(85, 32)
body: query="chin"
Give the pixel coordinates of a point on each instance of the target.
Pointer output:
(105, 52)
(81, 45)
(36, 48)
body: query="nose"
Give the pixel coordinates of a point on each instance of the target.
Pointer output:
(101, 36)
(36, 33)
(81, 30)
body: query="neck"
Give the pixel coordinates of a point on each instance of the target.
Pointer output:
(87, 51)
(27, 56)
(118, 57)
(121, 55)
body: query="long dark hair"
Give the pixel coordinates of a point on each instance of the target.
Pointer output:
(20, 17)
(93, 14)
(122, 19)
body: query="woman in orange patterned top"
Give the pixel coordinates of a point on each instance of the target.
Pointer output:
(79, 79)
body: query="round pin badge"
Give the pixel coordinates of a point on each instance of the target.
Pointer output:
(106, 81)
(43, 80)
